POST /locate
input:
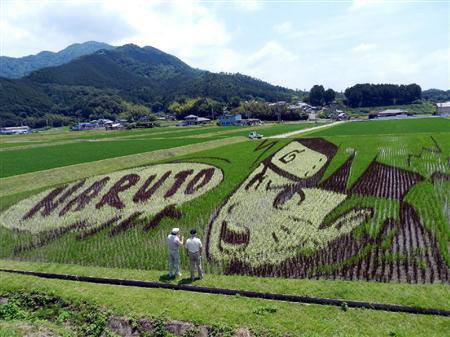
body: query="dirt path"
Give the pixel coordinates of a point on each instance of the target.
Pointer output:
(293, 133)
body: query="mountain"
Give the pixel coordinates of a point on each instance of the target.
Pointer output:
(436, 95)
(19, 67)
(108, 82)
(148, 74)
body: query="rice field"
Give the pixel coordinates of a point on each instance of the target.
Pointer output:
(320, 206)
(49, 151)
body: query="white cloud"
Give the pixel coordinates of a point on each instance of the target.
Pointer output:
(365, 44)
(267, 62)
(182, 27)
(271, 50)
(360, 4)
(283, 28)
(364, 47)
(249, 5)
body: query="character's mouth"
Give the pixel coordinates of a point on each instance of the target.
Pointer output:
(232, 237)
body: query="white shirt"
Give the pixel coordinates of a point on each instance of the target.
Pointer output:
(173, 242)
(193, 245)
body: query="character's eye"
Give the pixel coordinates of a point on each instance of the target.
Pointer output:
(232, 206)
(290, 156)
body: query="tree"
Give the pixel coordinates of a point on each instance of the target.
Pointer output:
(135, 112)
(199, 106)
(329, 96)
(365, 95)
(316, 95)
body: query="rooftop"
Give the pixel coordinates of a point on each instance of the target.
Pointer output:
(392, 111)
(443, 105)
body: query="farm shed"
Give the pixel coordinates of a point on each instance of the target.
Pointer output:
(195, 120)
(250, 121)
(443, 109)
(15, 130)
(392, 113)
(229, 119)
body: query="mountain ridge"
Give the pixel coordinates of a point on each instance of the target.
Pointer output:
(17, 67)
(104, 83)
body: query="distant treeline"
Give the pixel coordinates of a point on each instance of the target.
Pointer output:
(436, 95)
(366, 95)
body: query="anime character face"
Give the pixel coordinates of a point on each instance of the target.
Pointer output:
(278, 211)
(299, 160)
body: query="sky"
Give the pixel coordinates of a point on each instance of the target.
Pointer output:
(295, 44)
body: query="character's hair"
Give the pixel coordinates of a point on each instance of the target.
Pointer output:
(319, 145)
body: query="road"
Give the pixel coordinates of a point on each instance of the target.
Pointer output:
(293, 133)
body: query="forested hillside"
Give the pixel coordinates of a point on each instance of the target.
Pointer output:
(105, 83)
(18, 67)
(436, 95)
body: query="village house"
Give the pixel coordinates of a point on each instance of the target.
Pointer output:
(229, 119)
(391, 113)
(281, 103)
(194, 120)
(84, 126)
(15, 130)
(443, 109)
(250, 122)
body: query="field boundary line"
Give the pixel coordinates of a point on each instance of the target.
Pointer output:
(39, 179)
(236, 292)
(294, 133)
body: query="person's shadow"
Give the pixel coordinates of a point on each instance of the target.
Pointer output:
(186, 280)
(166, 279)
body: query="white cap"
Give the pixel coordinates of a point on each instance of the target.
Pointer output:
(175, 230)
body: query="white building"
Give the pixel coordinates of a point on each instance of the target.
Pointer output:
(195, 120)
(443, 109)
(392, 113)
(15, 130)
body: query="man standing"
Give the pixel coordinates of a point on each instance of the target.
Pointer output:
(173, 243)
(194, 248)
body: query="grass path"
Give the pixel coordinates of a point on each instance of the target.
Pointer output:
(417, 295)
(236, 311)
(296, 132)
(39, 179)
(236, 292)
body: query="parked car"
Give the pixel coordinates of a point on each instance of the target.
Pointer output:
(254, 135)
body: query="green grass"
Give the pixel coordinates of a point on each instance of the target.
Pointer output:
(421, 295)
(44, 158)
(387, 127)
(21, 183)
(144, 253)
(149, 247)
(9, 330)
(33, 159)
(103, 250)
(8, 145)
(296, 319)
(18, 328)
